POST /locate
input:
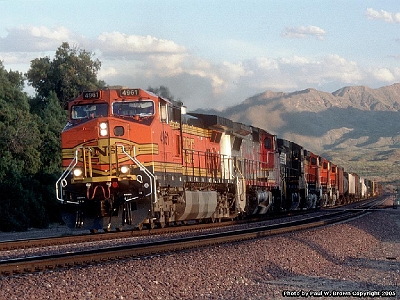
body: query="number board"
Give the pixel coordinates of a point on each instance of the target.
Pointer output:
(91, 95)
(129, 92)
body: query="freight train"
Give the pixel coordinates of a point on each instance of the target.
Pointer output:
(132, 158)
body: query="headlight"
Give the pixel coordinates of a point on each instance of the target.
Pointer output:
(125, 169)
(77, 172)
(103, 129)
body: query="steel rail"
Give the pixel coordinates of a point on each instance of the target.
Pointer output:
(82, 238)
(58, 240)
(70, 259)
(102, 236)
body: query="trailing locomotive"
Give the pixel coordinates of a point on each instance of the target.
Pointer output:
(132, 158)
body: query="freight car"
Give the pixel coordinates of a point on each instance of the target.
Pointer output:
(132, 158)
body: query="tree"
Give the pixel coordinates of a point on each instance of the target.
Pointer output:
(71, 71)
(19, 133)
(20, 157)
(51, 119)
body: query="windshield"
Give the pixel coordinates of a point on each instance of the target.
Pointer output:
(89, 111)
(133, 108)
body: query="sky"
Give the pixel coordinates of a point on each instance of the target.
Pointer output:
(213, 53)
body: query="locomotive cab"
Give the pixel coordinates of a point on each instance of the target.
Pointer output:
(104, 185)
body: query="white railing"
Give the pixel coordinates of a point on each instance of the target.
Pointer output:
(62, 182)
(144, 169)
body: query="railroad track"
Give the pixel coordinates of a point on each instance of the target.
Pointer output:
(87, 257)
(83, 238)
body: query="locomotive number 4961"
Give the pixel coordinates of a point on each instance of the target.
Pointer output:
(91, 95)
(129, 92)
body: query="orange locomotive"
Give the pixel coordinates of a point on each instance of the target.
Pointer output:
(131, 158)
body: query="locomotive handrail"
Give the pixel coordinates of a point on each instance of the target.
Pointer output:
(243, 178)
(142, 168)
(61, 181)
(243, 189)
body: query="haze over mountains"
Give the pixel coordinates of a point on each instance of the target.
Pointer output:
(356, 127)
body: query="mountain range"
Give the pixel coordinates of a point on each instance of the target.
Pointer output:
(356, 127)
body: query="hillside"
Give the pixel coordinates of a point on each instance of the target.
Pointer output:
(357, 127)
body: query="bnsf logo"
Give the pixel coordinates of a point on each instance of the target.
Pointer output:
(106, 151)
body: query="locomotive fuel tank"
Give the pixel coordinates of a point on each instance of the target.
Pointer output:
(197, 205)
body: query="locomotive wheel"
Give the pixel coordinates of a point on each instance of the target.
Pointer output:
(161, 224)
(150, 225)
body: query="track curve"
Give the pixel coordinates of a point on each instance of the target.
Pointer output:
(93, 256)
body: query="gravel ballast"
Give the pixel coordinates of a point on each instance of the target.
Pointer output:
(357, 258)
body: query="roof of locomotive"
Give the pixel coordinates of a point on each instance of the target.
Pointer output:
(214, 120)
(192, 120)
(222, 123)
(118, 90)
